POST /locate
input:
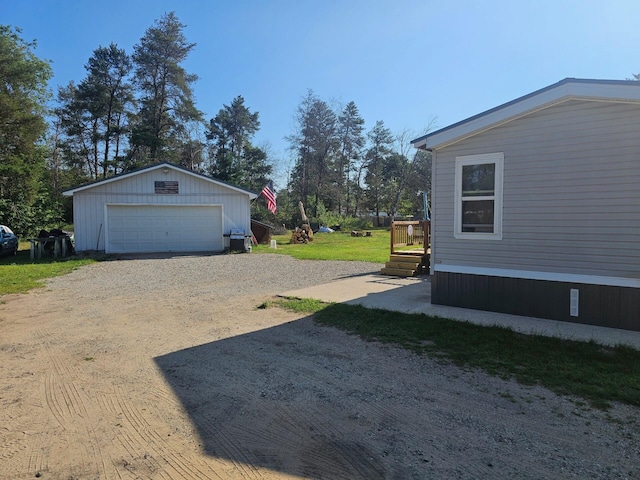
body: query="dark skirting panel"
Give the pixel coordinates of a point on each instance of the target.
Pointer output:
(617, 307)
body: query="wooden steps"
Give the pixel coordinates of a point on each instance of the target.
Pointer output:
(403, 265)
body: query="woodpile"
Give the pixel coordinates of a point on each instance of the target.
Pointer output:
(302, 235)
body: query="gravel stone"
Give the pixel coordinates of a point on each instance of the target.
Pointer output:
(228, 275)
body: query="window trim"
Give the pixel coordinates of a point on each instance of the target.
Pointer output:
(498, 160)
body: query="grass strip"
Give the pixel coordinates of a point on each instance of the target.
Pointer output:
(20, 274)
(597, 373)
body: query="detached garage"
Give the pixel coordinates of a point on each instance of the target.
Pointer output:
(161, 208)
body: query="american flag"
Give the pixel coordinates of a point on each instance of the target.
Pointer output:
(270, 195)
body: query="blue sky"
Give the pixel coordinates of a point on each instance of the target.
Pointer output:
(409, 63)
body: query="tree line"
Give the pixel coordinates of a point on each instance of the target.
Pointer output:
(135, 109)
(343, 171)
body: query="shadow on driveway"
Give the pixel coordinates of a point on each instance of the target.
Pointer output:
(292, 399)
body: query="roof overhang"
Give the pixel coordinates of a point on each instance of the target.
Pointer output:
(623, 91)
(159, 166)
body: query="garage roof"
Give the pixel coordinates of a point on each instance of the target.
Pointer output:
(626, 91)
(115, 178)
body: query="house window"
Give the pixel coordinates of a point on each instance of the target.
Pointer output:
(478, 207)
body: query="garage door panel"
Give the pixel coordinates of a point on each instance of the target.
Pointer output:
(161, 228)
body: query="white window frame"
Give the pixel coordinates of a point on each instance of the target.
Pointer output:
(485, 158)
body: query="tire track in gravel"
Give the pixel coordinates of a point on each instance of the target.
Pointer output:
(217, 420)
(123, 437)
(145, 437)
(333, 457)
(219, 437)
(71, 409)
(50, 399)
(303, 433)
(242, 459)
(336, 456)
(37, 461)
(68, 405)
(12, 449)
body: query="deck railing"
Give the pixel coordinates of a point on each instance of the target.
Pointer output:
(410, 235)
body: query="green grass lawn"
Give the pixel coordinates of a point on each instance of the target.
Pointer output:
(20, 274)
(335, 246)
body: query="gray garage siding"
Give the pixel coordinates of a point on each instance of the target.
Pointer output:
(571, 193)
(89, 204)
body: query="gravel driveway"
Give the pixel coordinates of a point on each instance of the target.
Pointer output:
(165, 368)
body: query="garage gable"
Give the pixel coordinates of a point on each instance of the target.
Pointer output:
(168, 172)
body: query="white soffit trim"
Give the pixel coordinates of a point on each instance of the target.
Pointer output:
(545, 276)
(563, 91)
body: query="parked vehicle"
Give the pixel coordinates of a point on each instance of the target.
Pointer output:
(8, 242)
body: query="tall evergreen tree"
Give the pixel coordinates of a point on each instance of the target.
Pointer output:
(380, 149)
(233, 157)
(166, 99)
(315, 144)
(23, 97)
(352, 140)
(108, 93)
(94, 115)
(79, 144)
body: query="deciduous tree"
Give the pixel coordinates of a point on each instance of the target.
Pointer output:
(23, 97)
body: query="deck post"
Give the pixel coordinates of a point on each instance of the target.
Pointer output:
(393, 236)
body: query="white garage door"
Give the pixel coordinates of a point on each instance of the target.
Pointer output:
(163, 228)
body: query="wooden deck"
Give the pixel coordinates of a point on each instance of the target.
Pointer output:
(410, 249)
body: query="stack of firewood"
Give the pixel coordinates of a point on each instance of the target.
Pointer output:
(302, 235)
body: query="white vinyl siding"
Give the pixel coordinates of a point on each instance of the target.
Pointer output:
(571, 193)
(89, 204)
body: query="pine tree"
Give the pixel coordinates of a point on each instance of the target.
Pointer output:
(166, 100)
(352, 140)
(234, 158)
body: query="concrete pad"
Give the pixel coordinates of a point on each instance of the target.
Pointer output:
(413, 295)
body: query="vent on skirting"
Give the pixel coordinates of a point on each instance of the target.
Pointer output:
(574, 302)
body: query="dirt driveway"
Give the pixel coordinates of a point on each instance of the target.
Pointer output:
(165, 368)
